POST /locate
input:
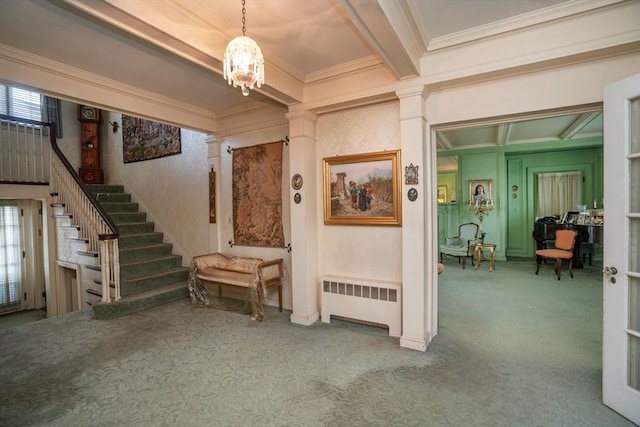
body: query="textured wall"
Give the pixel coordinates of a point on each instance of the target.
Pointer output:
(370, 252)
(172, 190)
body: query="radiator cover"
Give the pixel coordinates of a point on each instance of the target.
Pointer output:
(363, 299)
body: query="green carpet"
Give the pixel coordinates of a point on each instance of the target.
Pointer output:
(514, 349)
(21, 317)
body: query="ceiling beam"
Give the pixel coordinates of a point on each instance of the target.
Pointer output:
(280, 87)
(578, 124)
(504, 132)
(443, 141)
(391, 30)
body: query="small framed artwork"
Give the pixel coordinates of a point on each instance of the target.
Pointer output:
(296, 181)
(362, 189)
(571, 217)
(442, 194)
(479, 191)
(411, 175)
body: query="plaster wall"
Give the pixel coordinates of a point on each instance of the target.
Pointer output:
(370, 252)
(173, 190)
(70, 143)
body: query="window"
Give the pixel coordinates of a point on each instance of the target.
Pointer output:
(10, 257)
(558, 192)
(21, 103)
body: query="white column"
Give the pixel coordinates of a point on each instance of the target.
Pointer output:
(213, 163)
(304, 221)
(419, 225)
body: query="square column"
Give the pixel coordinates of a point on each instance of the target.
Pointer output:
(419, 225)
(304, 221)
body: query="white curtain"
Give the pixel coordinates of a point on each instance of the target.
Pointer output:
(558, 193)
(10, 257)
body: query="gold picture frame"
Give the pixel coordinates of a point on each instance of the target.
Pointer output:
(362, 189)
(442, 194)
(484, 191)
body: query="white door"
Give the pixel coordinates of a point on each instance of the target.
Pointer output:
(621, 278)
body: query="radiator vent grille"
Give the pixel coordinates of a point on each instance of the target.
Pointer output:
(360, 290)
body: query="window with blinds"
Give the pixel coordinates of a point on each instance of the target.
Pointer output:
(21, 103)
(10, 257)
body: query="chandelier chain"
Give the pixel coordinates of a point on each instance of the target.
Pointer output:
(244, 20)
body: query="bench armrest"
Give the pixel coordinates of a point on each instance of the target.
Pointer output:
(271, 272)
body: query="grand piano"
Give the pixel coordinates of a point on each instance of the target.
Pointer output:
(546, 230)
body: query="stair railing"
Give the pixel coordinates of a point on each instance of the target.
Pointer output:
(87, 214)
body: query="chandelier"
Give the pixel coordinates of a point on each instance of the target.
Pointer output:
(243, 61)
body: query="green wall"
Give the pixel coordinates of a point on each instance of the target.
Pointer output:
(510, 224)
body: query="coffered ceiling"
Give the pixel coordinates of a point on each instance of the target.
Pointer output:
(555, 127)
(175, 47)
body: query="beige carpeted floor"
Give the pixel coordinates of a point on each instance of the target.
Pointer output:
(514, 349)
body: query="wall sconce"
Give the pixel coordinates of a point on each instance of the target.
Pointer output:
(114, 126)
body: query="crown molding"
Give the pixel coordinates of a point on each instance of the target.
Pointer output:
(76, 85)
(342, 70)
(519, 22)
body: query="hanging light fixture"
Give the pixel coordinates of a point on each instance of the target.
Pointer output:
(243, 61)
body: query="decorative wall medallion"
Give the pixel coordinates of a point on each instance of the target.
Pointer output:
(297, 198)
(296, 181)
(412, 194)
(411, 175)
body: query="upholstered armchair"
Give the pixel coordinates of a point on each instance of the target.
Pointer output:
(462, 245)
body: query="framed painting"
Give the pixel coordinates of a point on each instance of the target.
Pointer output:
(442, 194)
(479, 191)
(145, 139)
(362, 189)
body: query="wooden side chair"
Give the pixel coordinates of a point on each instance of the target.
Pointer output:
(565, 240)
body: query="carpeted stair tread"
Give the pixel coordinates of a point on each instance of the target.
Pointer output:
(120, 207)
(145, 282)
(133, 240)
(128, 217)
(141, 301)
(157, 264)
(144, 251)
(112, 197)
(156, 274)
(136, 228)
(106, 188)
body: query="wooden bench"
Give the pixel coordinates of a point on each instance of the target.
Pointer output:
(254, 275)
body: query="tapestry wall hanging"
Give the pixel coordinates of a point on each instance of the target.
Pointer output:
(144, 139)
(257, 195)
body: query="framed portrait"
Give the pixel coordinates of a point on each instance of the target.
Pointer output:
(442, 194)
(362, 189)
(479, 190)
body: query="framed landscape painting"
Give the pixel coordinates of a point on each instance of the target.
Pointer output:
(362, 189)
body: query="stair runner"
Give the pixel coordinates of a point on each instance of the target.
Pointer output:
(150, 274)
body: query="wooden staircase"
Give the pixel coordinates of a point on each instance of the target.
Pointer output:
(150, 274)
